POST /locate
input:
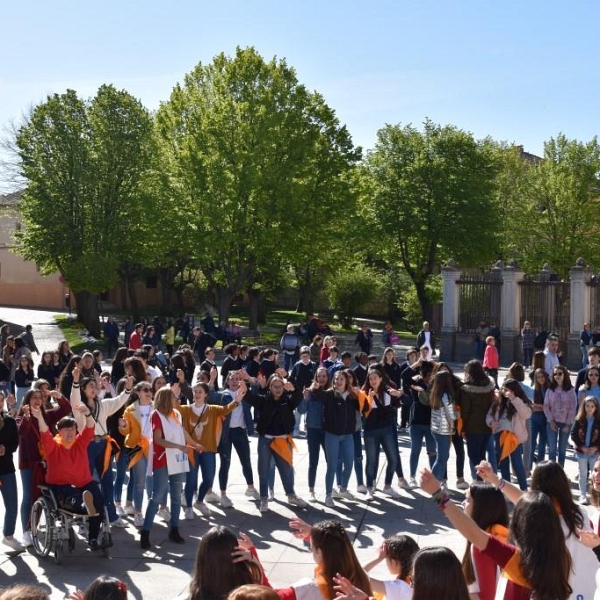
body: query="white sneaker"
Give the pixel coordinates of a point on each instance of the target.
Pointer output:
(412, 482)
(362, 489)
(203, 508)
(297, 501)
(461, 484)
(403, 484)
(271, 495)
(189, 513)
(130, 510)
(252, 493)
(27, 539)
(225, 502)
(329, 503)
(346, 494)
(119, 523)
(312, 497)
(391, 492)
(13, 543)
(335, 493)
(164, 513)
(120, 511)
(138, 520)
(371, 493)
(211, 497)
(264, 505)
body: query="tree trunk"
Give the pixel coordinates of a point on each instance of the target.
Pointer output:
(253, 295)
(423, 300)
(135, 308)
(224, 298)
(123, 286)
(262, 309)
(87, 312)
(305, 293)
(165, 280)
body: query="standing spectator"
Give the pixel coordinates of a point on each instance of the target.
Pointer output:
(289, 344)
(27, 337)
(128, 329)
(208, 323)
(4, 378)
(426, 338)
(560, 405)
(64, 352)
(585, 341)
(495, 331)
(539, 341)
(527, 337)
(552, 354)
(24, 377)
(491, 361)
(135, 339)
(170, 337)
(315, 349)
(481, 333)
(364, 339)
(586, 438)
(111, 336)
(593, 361)
(4, 333)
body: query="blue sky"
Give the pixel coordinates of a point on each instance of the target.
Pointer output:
(517, 71)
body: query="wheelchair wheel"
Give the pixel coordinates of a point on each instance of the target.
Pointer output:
(59, 550)
(71, 539)
(42, 527)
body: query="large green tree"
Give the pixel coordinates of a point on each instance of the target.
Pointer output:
(260, 164)
(429, 195)
(83, 209)
(551, 207)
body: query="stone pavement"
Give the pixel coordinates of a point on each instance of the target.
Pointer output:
(164, 572)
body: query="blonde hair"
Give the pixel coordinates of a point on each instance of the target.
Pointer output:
(163, 401)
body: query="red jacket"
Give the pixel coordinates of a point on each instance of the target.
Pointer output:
(490, 358)
(68, 466)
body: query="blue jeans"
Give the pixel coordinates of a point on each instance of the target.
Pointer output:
(8, 489)
(315, 439)
(557, 439)
(584, 356)
(539, 438)
(586, 464)
(527, 356)
(238, 438)
(515, 459)
(26, 502)
(442, 445)
(142, 482)
(207, 463)
(21, 391)
(477, 444)
(121, 465)
(374, 441)
(491, 454)
(286, 471)
(338, 447)
(417, 434)
(162, 483)
(96, 458)
(288, 361)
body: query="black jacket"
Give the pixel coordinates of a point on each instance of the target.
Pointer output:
(276, 417)
(9, 438)
(339, 415)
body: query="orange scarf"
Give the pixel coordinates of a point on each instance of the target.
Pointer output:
(284, 447)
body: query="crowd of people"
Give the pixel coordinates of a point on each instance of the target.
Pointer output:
(81, 430)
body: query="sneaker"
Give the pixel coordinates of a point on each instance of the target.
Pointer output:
(391, 492)
(583, 500)
(88, 502)
(336, 493)
(119, 523)
(312, 497)
(271, 495)
(27, 539)
(264, 505)
(362, 489)
(120, 511)
(329, 503)
(13, 543)
(412, 482)
(164, 513)
(225, 502)
(403, 484)
(346, 495)
(371, 493)
(189, 513)
(461, 484)
(211, 497)
(252, 493)
(93, 545)
(138, 520)
(297, 501)
(202, 508)
(130, 510)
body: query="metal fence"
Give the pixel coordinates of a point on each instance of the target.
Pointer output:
(546, 304)
(480, 300)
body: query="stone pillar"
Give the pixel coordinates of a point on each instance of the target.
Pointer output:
(510, 325)
(450, 309)
(580, 304)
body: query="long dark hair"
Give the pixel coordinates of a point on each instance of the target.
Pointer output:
(475, 375)
(501, 403)
(215, 574)
(545, 561)
(566, 382)
(442, 384)
(539, 391)
(383, 386)
(106, 588)
(437, 575)
(550, 478)
(331, 539)
(137, 368)
(488, 508)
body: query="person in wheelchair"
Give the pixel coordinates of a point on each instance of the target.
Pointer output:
(67, 469)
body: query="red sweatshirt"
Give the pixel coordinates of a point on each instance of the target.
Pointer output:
(68, 466)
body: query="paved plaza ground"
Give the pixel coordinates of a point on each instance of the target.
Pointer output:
(164, 572)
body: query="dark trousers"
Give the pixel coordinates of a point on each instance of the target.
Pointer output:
(69, 497)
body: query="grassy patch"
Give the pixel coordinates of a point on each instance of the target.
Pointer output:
(70, 329)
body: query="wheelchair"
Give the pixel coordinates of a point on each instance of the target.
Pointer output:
(52, 527)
